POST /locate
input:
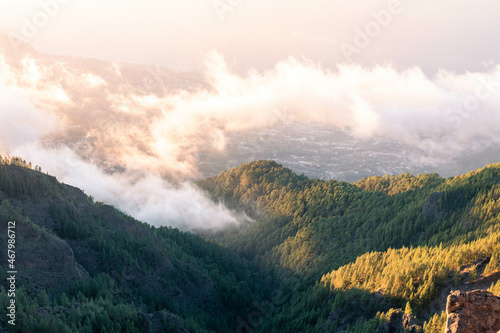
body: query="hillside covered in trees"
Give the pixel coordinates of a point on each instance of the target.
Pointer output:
(316, 256)
(84, 266)
(360, 251)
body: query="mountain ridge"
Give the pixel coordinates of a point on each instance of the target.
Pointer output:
(282, 267)
(330, 224)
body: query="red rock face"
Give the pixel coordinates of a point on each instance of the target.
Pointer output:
(473, 312)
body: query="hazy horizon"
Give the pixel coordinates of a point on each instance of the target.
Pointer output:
(449, 35)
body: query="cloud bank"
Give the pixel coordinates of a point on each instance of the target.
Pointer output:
(137, 148)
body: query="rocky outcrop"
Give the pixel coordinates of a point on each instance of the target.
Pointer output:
(473, 311)
(398, 321)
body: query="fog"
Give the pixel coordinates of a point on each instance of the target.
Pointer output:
(137, 149)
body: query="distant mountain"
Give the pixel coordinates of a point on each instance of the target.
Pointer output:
(139, 78)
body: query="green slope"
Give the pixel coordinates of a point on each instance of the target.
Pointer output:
(317, 256)
(84, 266)
(337, 237)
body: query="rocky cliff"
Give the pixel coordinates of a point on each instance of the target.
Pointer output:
(473, 311)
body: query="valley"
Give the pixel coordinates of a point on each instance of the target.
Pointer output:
(316, 256)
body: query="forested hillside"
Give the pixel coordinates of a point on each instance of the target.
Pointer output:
(361, 249)
(317, 256)
(84, 266)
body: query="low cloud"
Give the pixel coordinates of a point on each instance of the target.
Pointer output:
(137, 149)
(146, 196)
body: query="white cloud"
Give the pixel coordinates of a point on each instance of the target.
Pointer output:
(104, 123)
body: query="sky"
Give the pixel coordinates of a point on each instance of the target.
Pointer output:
(454, 35)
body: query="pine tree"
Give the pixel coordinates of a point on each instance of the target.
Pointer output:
(408, 310)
